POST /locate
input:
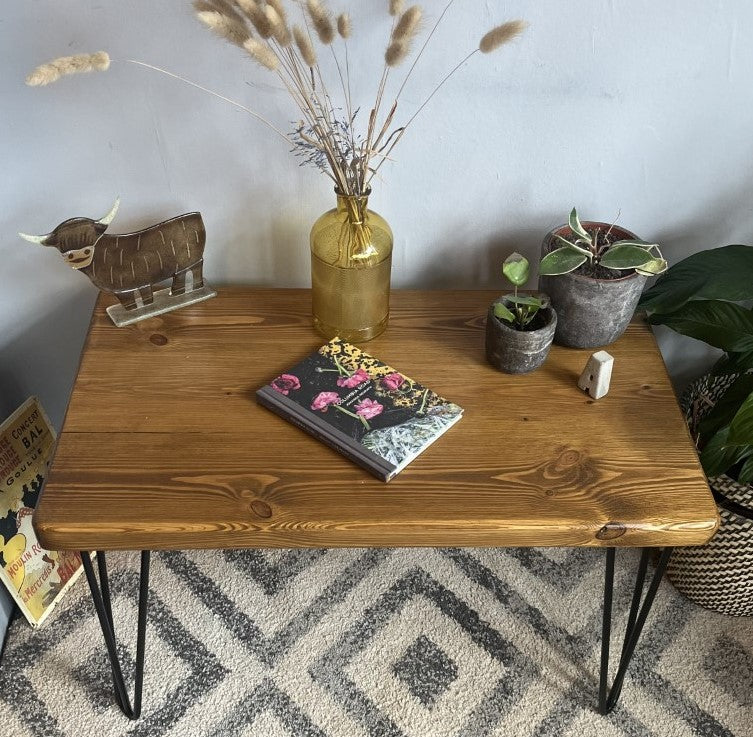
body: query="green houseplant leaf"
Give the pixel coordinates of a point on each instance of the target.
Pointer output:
(746, 472)
(516, 269)
(653, 267)
(718, 455)
(741, 427)
(503, 312)
(719, 273)
(625, 257)
(726, 407)
(721, 324)
(561, 261)
(577, 227)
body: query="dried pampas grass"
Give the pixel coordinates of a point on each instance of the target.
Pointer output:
(258, 18)
(402, 38)
(322, 20)
(53, 70)
(396, 7)
(279, 28)
(501, 35)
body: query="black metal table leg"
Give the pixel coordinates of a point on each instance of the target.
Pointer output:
(636, 619)
(101, 596)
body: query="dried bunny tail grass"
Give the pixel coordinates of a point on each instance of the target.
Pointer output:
(53, 70)
(344, 27)
(262, 54)
(501, 35)
(257, 16)
(396, 7)
(218, 6)
(279, 8)
(303, 42)
(279, 27)
(407, 25)
(403, 36)
(224, 26)
(322, 20)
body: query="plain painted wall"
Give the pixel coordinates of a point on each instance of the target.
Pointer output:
(630, 106)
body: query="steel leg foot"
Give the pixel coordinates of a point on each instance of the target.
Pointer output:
(101, 596)
(636, 619)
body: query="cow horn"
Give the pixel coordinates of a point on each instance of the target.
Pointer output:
(107, 219)
(34, 238)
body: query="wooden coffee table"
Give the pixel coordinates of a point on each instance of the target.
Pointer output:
(164, 447)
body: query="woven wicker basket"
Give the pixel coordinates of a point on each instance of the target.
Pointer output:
(718, 576)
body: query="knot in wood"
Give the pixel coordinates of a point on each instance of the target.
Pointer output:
(261, 509)
(611, 531)
(158, 339)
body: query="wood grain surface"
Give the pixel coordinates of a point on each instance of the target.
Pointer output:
(165, 447)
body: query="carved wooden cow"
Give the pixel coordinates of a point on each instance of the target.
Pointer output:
(132, 263)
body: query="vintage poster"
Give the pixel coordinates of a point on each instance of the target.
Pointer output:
(35, 577)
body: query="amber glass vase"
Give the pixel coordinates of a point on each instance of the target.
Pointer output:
(351, 259)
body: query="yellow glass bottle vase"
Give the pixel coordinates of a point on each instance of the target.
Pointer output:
(351, 259)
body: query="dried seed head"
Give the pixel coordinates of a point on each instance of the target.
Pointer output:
(279, 29)
(279, 7)
(396, 7)
(219, 6)
(224, 26)
(396, 53)
(501, 35)
(303, 42)
(343, 25)
(261, 53)
(407, 25)
(53, 70)
(322, 20)
(257, 16)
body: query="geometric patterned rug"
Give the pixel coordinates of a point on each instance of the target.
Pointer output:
(381, 643)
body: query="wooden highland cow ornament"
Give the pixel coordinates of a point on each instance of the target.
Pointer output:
(131, 264)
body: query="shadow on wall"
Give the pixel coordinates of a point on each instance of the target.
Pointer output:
(43, 359)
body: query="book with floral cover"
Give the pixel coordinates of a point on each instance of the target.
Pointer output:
(366, 410)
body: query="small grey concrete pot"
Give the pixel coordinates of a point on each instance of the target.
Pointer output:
(518, 351)
(592, 312)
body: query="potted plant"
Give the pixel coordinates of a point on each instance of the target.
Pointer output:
(699, 297)
(519, 328)
(594, 274)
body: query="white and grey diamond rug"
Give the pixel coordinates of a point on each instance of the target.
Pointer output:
(378, 643)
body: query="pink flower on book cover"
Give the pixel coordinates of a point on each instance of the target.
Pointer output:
(285, 383)
(391, 382)
(368, 408)
(323, 400)
(353, 380)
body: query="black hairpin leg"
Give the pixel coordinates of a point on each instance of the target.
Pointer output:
(101, 596)
(636, 619)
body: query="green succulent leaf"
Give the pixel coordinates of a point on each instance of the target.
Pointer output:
(719, 273)
(741, 427)
(516, 269)
(503, 312)
(636, 242)
(718, 455)
(577, 227)
(721, 324)
(575, 246)
(561, 261)
(727, 406)
(653, 267)
(625, 257)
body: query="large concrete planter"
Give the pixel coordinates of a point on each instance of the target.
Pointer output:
(518, 351)
(590, 312)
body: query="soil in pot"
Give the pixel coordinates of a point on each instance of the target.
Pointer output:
(594, 304)
(519, 351)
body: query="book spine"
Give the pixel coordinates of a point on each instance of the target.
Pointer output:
(321, 430)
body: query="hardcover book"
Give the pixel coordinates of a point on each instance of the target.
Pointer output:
(366, 410)
(35, 577)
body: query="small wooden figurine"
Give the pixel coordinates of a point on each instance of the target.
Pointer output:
(131, 264)
(597, 374)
